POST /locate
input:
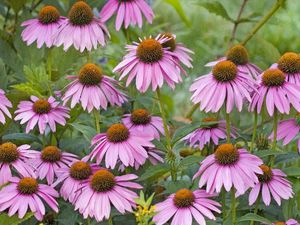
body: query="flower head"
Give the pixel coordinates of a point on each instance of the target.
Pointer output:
(43, 29)
(41, 112)
(120, 144)
(272, 181)
(276, 93)
(15, 158)
(128, 12)
(238, 54)
(185, 205)
(49, 161)
(24, 194)
(225, 85)
(150, 63)
(4, 105)
(106, 189)
(82, 29)
(229, 167)
(93, 89)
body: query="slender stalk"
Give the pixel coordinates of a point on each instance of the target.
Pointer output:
(254, 131)
(110, 221)
(223, 195)
(88, 221)
(274, 144)
(191, 111)
(256, 28)
(256, 208)
(88, 57)
(49, 68)
(97, 120)
(233, 207)
(228, 127)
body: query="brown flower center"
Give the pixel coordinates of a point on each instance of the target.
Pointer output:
(210, 119)
(273, 78)
(51, 154)
(224, 71)
(117, 133)
(8, 152)
(103, 181)
(238, 54)
(81, 14)
(48, 14)
(184, 198)
(267, 176)
(28, 186)
(226, 154)
(171, 43)
(80, 170)
(289, 63)
(90, 74)
(41, 106)
(140, 117)
(280, 223)
(150, 51)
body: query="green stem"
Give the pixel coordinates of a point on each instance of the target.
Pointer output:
(256, 28)
(97, 120)
(191, 111)
(274, 144)
(233, 207)
(228, 127)
(110, 221)
(49, 68)
(255, 209)
(223, 195)
(254, 131)
(88, 57)
(88, 221)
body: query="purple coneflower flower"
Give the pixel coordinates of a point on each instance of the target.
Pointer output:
(102, 190)
(141, 121)
(4, 105)
(120, 144)
(289, 64)
(238, 54)
(26, 194)
(289, 222)
(43, 29)
(16, 157)
(41, 112)
(229, 167)
(49, 161)
(182, 53)
(82, 29)
(209, 134)
(185, 205)
(272, 181)
(225, 85)
(73, 179)
(93, 89)
(150, 63)
(128, 12)
(276, 93)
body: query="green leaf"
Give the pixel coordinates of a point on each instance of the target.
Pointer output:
(155, 172)
(14, 220)
(292, 171)
(3, 75)
(87, 131)
(265, 153)
(190, 160)
(17, 5)
(218, 9)
(21, 137)
(254, 217)
(178, 7)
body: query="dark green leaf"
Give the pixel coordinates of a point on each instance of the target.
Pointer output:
(190, 160)
(254, 217)
(292, 171)
(178, 7)
(265, 153)
(21, 137)
(155, 172)
(14, 220)
(87, 131)
(217, 8)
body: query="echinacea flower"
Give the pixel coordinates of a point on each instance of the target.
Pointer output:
(271, 182)
(287, 130)
(150, 63)
(225, 85)
(93, 89)
(82, 29)
(42, 112)
(141, 121)
(181, 52)
(185, 205)
(128, 12)
(119, 144)
(102, 190)
(15, 157)
(208, 134)
(275, 93)
(238, 54)
(289, 64)
(4, 105)
(43, 29)
(49, 161)
(24, 194)
(289, 222)
(73, 179)
(229, 167)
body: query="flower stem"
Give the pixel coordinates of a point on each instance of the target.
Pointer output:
(97, 120)
(233, 207)
(256, 28)
(274, 144)
(191, 111)
(88, 221)
(223, 195)
(110, 221)
(49, 68)
(255, 209)
(254, 131)
(228, 127)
